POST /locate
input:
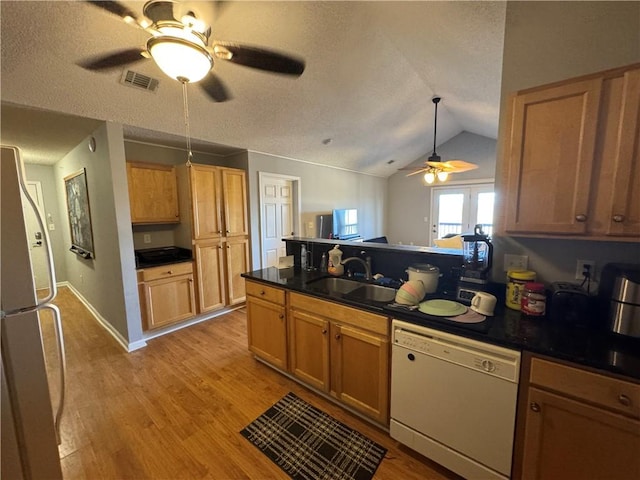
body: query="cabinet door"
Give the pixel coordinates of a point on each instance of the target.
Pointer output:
(209, 275)
(235, 202)
(267, 331)
(360, 370)
(169, 300)
(153, 193)
(624, 214)
(571, 440)
(309, 349)
(237, 261)
(552, 146)
(205, 202)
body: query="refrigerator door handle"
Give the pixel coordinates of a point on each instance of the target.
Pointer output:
(47, 242)
(57, 321)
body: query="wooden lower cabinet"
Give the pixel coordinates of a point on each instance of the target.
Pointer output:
(578, 425)
(267, 323)
(360, 370)
(237, 262)
(168, 295)
(209, 260)
(342, 351)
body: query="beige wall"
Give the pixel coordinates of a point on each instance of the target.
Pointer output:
(322, 190)
(551, 41)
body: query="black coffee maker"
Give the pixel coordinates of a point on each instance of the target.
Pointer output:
(477, 253)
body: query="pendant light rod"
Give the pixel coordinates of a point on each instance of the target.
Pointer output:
(435, 101)
(185, 105)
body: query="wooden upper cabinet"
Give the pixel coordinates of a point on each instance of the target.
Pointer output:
(205, 202)
(616, 204)
(551, 154)
(573, 158)
(234, 193)
(153, 193)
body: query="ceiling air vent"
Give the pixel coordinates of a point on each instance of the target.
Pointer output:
(138, 80)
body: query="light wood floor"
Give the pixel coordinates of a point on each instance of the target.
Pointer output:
(174, 409)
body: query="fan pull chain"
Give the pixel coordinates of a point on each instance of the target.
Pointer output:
(186, 121)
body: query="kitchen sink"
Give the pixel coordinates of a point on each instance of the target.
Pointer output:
(333, 284)
(352, 289)
(375, 293)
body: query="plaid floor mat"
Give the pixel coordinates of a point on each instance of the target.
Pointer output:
(307, 443)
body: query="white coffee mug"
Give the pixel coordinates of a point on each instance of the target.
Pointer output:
(484, 303)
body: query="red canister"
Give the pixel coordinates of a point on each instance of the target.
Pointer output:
(533, 301)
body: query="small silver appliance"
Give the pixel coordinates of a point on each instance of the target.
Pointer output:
(619, 296)
(477, 252)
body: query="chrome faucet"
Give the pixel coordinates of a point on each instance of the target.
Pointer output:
(366, 263)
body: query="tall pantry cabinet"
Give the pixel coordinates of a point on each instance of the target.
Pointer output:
(219, 233)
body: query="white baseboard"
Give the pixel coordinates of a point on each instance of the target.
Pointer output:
(201, 318)
(129, 347)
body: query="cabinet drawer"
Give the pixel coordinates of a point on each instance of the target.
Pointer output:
(165, 271)
(341, 314)
(611, 393)
(260, 290)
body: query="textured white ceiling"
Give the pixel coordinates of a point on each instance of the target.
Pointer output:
(371, 71)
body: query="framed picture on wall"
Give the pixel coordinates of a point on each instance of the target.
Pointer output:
(79, 214)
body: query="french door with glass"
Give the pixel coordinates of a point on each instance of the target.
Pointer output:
(457, 209)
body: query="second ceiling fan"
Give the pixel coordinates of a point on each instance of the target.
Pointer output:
(181, 48)
(434, 167)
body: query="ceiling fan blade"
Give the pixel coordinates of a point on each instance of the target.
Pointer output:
(259, 58)
(159, 11)
(214, 87)
(114, 60)
(458, 166)
(114, 7)
(416, 172)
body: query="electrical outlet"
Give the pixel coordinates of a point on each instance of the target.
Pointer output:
(515, 262)
(580, 268)
(147, 238)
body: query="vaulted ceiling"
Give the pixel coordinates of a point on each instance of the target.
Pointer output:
(371, 71)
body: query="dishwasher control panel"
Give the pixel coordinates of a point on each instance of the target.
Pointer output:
(484, 357)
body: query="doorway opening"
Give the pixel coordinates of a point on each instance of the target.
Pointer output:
(279, 215)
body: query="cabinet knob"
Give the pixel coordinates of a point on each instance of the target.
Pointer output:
(170, 272)
(281, 316)
(324, 331)
(581, 218)
(262, 292)
(337, 336)
(228, 231)
(624, 400)
(618, 218)
(534, 406)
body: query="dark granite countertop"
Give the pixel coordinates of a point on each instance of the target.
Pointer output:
(590, 347)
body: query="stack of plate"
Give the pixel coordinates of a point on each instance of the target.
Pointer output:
(452, 310)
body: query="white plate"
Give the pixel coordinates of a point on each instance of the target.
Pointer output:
(442, 308)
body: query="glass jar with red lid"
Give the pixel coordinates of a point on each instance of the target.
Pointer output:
(533, 301)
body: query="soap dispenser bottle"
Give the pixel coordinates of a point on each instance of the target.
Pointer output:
(335, 266)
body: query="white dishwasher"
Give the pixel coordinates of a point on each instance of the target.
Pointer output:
(453, 399)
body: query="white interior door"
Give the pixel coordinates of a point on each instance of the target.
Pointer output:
(278, 206)
(457, 209)
(35, 237)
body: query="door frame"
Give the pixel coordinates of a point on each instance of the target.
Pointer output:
(295, 202)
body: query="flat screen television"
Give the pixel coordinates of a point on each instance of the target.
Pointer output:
(345, 223)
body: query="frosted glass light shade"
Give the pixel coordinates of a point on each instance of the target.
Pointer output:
(442, 176)
(179, 58)
(429, 177)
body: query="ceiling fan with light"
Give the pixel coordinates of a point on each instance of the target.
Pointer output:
(434, 167)
(181, 48)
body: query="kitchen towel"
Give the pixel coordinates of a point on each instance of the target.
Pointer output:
(307, 443)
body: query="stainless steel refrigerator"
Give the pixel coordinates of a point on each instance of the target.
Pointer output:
(29, 424)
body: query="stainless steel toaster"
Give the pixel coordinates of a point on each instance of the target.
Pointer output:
(619, 296)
